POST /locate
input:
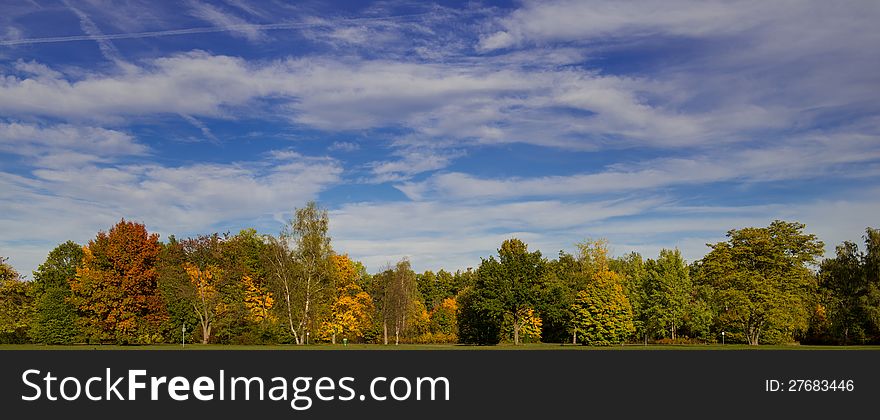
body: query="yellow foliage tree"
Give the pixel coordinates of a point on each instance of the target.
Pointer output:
(350, 314)
(343, 269)
(530, 324)
(207, 302)
(258, 302)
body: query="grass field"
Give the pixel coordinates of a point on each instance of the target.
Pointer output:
(542, 346)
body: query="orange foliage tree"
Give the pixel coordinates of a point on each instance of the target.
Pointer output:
(115, 288)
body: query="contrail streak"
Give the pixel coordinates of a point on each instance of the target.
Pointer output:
(188, 31)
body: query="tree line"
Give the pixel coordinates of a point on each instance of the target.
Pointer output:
(761, 285)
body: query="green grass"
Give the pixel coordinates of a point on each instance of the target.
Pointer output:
(541, 346)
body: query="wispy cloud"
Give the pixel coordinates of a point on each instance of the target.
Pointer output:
(219, 18)
(451, 235)
(809, 156)
(412, 161)
(51, 146)
(560, 108)
(54, 202)
(206, 131)
(108, 50)
(343, 146)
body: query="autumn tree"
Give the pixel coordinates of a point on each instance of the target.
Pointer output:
(527, 324)
(115, 289)
(16, 305)
(762, 281)
(350, 315)
(206, 298)
(444, 320)
(602, 312)
(300, 259)
(55, 319)
(352, 308)
(258, 301)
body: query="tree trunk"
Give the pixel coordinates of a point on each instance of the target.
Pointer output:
(516, 328)
(290, 313)
(385, 330)
(574, 336)
(396, 333)
(206, 333)
(753, 335)
(334, 338)
(304, 324)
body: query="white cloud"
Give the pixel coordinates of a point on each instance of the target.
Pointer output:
(586, 21)
(808, 156)
(449, 235)
(489, 104)
(412, 161)
(66, 145)
(343, 146)
(55, 204)
(454, 236)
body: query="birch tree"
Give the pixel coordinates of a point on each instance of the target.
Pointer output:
(300, 260)
(400, 293)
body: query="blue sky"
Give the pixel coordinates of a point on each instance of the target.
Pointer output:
(435, 131)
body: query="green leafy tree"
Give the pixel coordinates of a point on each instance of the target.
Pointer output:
(435, 288)
(479, 320)
(55, 319)
(511, 284)
(670, 293)
(507, 287)
(762, 282)
(850, 289)
(245, 291)
(563, 278)
(172, 281)
(637, 288)
(872, 273)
